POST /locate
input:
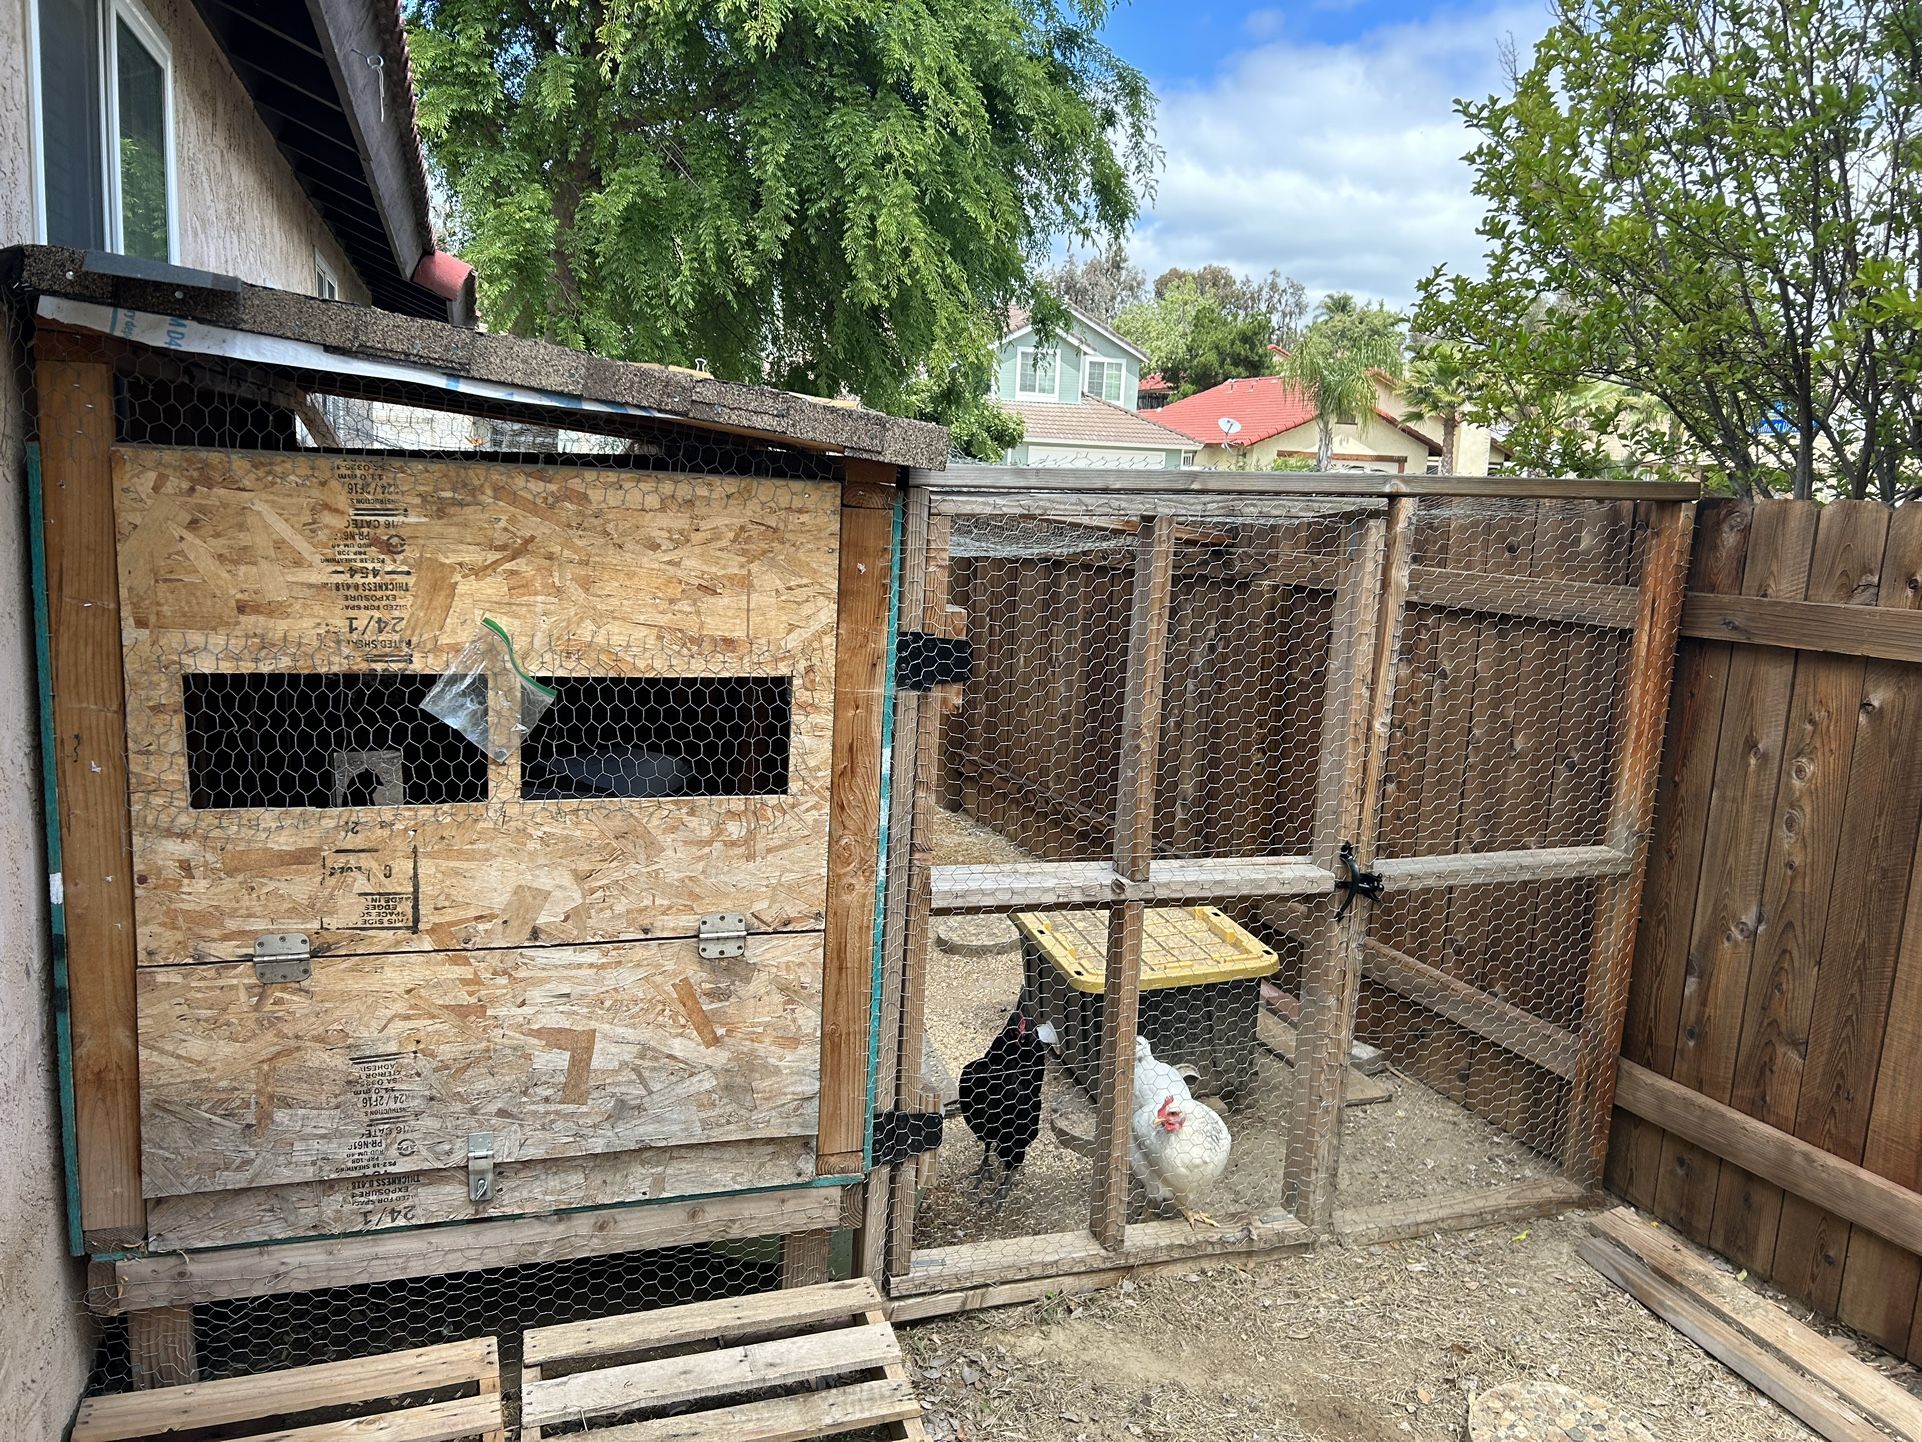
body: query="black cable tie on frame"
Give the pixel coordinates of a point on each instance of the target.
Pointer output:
(1354, 881)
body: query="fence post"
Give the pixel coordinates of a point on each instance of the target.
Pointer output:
(1358, 696)
(1651, 666)
(1134, 846)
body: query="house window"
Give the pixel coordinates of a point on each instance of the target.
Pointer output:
(1037, 373)
(104, 125)
(1101, 378)
(326, 283)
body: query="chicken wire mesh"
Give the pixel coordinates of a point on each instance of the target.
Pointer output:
(1028, 786)
(1498, 755)
(479, 816)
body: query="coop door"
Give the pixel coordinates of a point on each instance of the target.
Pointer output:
(1151, 745)
(500, 918)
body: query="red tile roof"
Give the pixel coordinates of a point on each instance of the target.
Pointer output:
(1265, 405)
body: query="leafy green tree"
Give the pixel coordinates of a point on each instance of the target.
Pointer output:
(1281, 299)
(1193, 340)
(1335, 360)
(1099, 286)
(828, 195)
(1716, 204)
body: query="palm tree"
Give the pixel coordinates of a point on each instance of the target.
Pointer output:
(1442, 384)
(1335, 362)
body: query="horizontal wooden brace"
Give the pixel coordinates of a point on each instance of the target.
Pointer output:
(1061, 1254)
(1540, 598)
(1275, 483)
(1879, 631)
(1851, 1192)
(1542, 863)
(1097, 883)
(181, 1279)
(1547, 1045)
(1182, 506)
(1455, 1211)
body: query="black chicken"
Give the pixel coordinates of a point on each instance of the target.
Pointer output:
(1001, 1097)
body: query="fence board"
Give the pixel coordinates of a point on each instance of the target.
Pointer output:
(1821, 1031)
(1735, 850)
(1803, 832)
(1675, 859)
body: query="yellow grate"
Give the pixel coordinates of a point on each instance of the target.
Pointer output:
(1181, 946)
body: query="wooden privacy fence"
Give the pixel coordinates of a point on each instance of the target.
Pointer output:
(1772, 1079)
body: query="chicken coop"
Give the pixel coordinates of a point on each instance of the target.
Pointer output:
(1297, 825)
(467, 775)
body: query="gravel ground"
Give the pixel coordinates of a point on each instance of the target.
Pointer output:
(1370, 1344)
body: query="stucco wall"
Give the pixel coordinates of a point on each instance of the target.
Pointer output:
(44, 1345)
(239, 209)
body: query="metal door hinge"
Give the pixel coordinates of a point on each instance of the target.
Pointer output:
(720, 936)
(900, 1135)
(282, 956)
(480, 1166)
(1354, 881)
(923, 660)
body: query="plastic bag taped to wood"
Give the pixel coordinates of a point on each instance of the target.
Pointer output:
(486, 696)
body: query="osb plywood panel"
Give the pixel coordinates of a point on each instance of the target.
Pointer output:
(406, 1199)
(380, 1065)
(299, 563)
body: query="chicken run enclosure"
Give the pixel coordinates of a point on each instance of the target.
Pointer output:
(1316, 804)
(540, 839)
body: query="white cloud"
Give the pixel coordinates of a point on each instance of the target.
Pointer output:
(1338, 164)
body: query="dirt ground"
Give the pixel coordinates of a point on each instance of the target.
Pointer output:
(1370, 1344)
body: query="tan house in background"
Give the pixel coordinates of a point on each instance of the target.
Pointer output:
(1249, 424)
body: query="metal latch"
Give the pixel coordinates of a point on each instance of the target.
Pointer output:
(1354, 881)
(923, 660)
(283, 956)
(900, 1135)
(480, 1166)
(721, 935)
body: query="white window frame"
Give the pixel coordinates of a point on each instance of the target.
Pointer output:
(1054, 391)
(326, 279)
(106, 52)
(1120, 369)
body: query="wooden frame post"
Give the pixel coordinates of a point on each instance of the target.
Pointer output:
(74, 384)
(930, 565)
(1354, 743)
(1631, 810)
(1133, 848)
(854, 812)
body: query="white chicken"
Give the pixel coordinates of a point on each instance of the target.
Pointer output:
(1180, 1148)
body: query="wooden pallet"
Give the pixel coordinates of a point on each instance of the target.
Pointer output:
(272, 1404)
(832, 1340)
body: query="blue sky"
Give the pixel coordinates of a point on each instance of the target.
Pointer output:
(1318, 137)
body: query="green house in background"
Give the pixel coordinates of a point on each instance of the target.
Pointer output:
(1077, 393)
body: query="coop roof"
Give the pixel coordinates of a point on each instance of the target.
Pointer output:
(91, 290)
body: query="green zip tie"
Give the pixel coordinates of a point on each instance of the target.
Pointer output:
(495, 627)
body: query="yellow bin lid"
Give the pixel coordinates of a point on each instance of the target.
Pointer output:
(1180, 946)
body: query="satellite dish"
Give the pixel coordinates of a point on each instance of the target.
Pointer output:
(1229, 425)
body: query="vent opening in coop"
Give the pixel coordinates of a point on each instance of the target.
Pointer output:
(629, 736)
(280, 739)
